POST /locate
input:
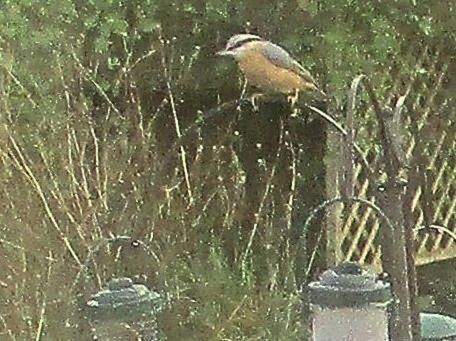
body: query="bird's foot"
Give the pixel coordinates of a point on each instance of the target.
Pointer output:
(254, 100)
(293, 98)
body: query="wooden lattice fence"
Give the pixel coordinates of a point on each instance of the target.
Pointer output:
(429, 138)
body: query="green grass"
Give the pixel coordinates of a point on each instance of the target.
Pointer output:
(67, 184)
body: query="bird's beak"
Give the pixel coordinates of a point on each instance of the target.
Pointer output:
(224, 53)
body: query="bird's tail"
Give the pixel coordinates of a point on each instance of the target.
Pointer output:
(318, 94)
(321, 93)
(314, 90)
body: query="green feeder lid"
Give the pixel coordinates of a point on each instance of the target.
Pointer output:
(437, 327)
(348, 285)
(122, 298)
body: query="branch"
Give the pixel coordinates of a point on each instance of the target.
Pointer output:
(350, 137)
(183, 153)
(336, 124)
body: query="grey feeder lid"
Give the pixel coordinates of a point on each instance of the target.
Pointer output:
(123, 299)
(437, 327)
(348, 285)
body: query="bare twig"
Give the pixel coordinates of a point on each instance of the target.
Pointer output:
(142, 58)
(176, 121)
(87, 75)
(349, 146)
(291, 196)
(42, 321)
(24, 250)
(339, 128)
(232, 315)
(22, 165)
(182, 149)
(24, 90)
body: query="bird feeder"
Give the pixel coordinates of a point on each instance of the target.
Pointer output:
(349, 303)
(124, 311)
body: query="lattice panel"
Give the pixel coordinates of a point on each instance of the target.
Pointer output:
(430, 147)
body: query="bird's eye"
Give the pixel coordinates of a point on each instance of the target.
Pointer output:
(240, 43)
(235, 46)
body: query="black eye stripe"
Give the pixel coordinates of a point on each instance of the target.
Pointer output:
(240, 43)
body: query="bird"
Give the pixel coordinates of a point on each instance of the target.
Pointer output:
(269, 67)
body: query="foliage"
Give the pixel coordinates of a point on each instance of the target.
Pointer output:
(94, 93)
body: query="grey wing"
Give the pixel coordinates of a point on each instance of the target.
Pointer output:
(278, 56)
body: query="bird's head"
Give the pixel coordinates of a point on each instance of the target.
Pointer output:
(238, 44)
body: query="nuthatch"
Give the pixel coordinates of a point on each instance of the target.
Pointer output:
(268, 66)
